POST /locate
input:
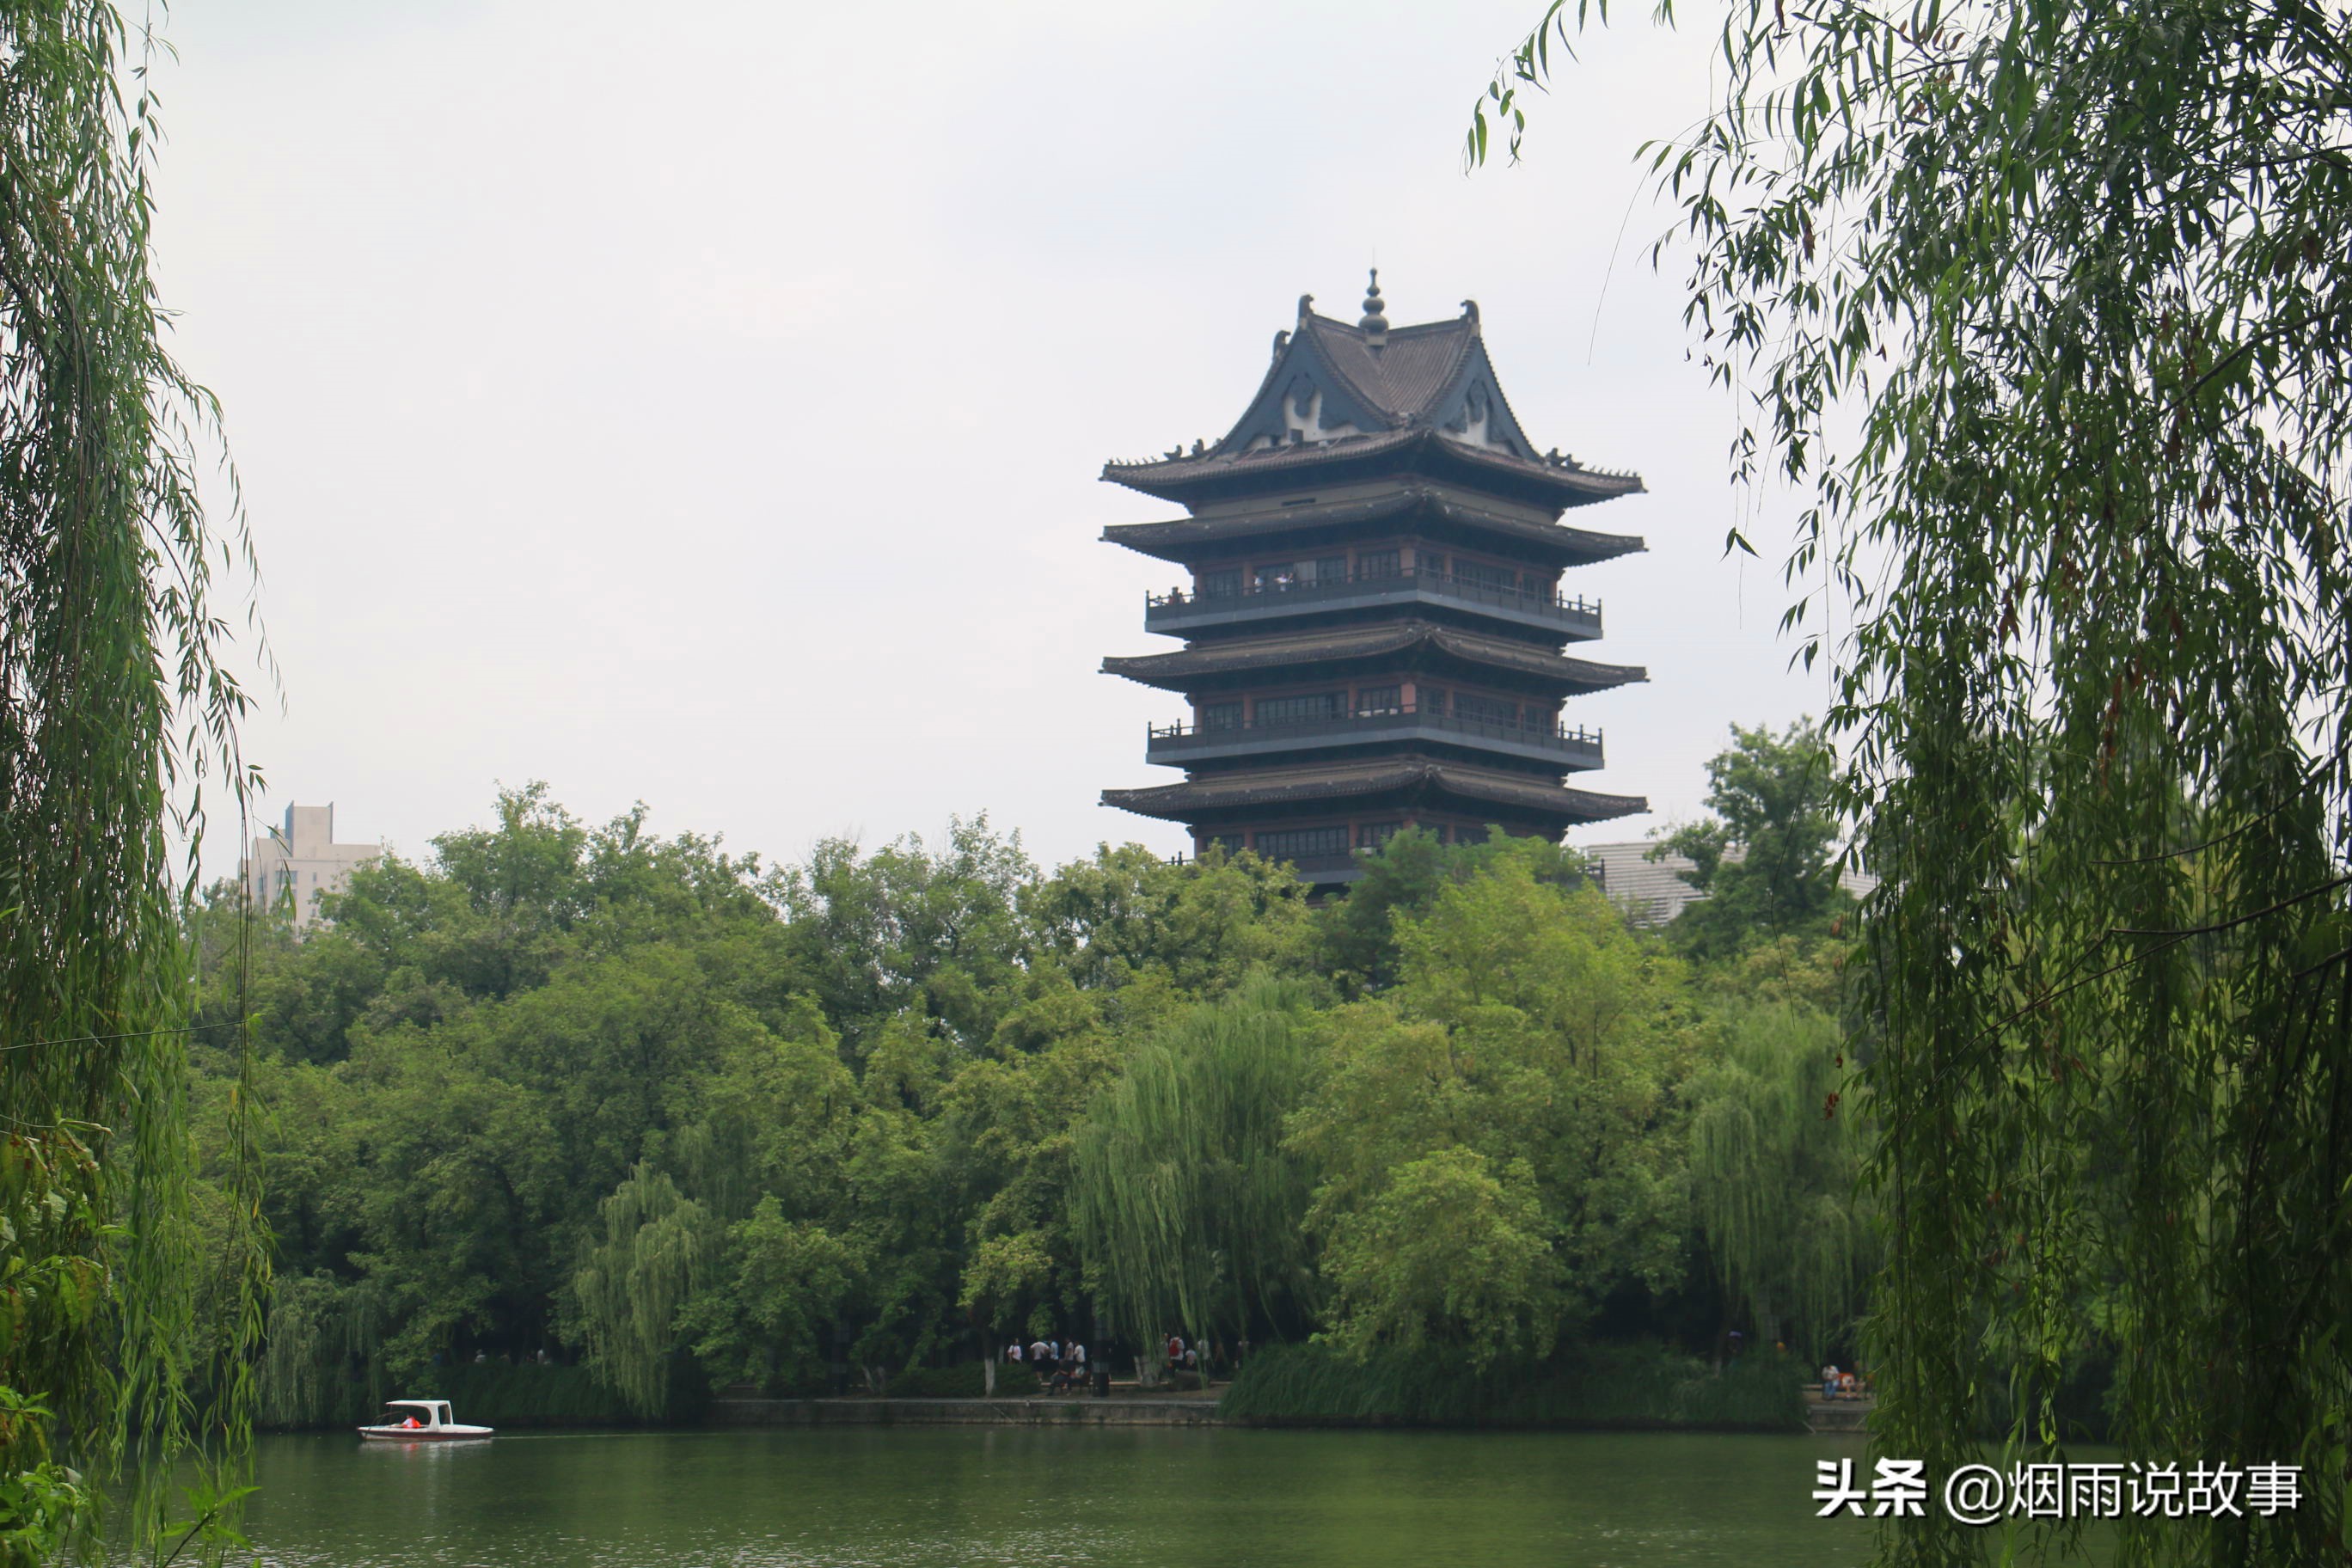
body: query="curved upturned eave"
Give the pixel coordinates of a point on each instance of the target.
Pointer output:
(1196, 798)
(1182, 539)
(1174, 478)
(1338, 649)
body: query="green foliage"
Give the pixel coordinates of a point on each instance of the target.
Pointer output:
(1402, 878)
(1524, 1066)
(2074, 277)
(965, 1380)
(44, 1508)
(116, 713)
(592, 1099)
(632, 1286)
(1775, 1162)
(1637, 1385)
(780, 1283)
(1450, 1251)
(1767, 863)
(1187, 1203)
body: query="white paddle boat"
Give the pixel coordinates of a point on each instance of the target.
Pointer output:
(428, 1423)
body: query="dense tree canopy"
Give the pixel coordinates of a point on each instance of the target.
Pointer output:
(1766, 860)
(676, 1121)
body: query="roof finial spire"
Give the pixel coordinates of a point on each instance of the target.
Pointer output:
(1374, 324)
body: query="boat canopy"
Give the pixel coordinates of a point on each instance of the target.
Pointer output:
(436, 1408)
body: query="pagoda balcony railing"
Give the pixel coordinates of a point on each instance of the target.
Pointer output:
(1272, 599)
(1345, 860)
(1184, 745)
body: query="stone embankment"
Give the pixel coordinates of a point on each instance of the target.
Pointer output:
(1826, 1415)
(1075, 1411)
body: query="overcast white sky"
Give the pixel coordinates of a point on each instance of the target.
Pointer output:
(705, 404)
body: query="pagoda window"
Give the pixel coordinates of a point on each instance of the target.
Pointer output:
(1230, 843)
(1484, 710)
(1375, 699)
(1429, 562)
(1301, 710)
(1327, 568)
(1470, 835)
(1276, 577)
(1224, 584)
(1297, 843)
(1372, 835)
(1478, 574)
(1379, 563)
(1221, 715)
(1430, 699)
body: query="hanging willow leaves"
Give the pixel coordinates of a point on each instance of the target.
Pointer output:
(1775, 1159)
(1187, 1205)
(114, 709)
(632, 1286)
(2045, 311)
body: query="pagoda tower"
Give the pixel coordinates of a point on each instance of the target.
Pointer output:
(1375, 626)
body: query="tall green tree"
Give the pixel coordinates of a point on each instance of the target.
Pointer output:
(1767, 860)
(1188, 1205)
(1520, 1074)
(2046, 307)
(1776, 1166)
(115, 708)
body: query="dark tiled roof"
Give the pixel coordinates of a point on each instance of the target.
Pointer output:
(1406, 378)
(1179, 801)
(1407, 396)
(1182, 537)
(1330, 644)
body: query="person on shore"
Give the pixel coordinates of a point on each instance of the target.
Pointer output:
(1828, 1382)
(1013, 1352)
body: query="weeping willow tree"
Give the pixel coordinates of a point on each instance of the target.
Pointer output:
(1187, 1206)
(2043, 307)
(1774, 1164)
(318, 1327)
(114, 708)
(634, 1282)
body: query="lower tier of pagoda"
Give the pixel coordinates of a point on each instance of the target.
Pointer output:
(1370, 798)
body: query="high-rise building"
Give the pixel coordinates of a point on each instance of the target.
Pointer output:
(1375, 624)
(301, 861)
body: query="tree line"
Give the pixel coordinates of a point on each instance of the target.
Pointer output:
(597, 1097)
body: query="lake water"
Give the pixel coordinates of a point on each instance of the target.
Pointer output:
(1216, 1497)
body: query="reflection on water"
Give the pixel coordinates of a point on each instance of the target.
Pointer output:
(848, 1497)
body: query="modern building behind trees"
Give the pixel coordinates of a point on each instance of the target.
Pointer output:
(1652, 892)
(1374, 621)
(302, 860)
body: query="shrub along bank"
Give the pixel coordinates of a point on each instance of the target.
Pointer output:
(1630, 1386)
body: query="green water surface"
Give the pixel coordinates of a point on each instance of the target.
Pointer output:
(1216, 1497)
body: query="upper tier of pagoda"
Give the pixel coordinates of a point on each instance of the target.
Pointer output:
(1342, 401)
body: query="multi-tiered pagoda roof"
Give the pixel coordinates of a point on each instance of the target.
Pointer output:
(1374, 629)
